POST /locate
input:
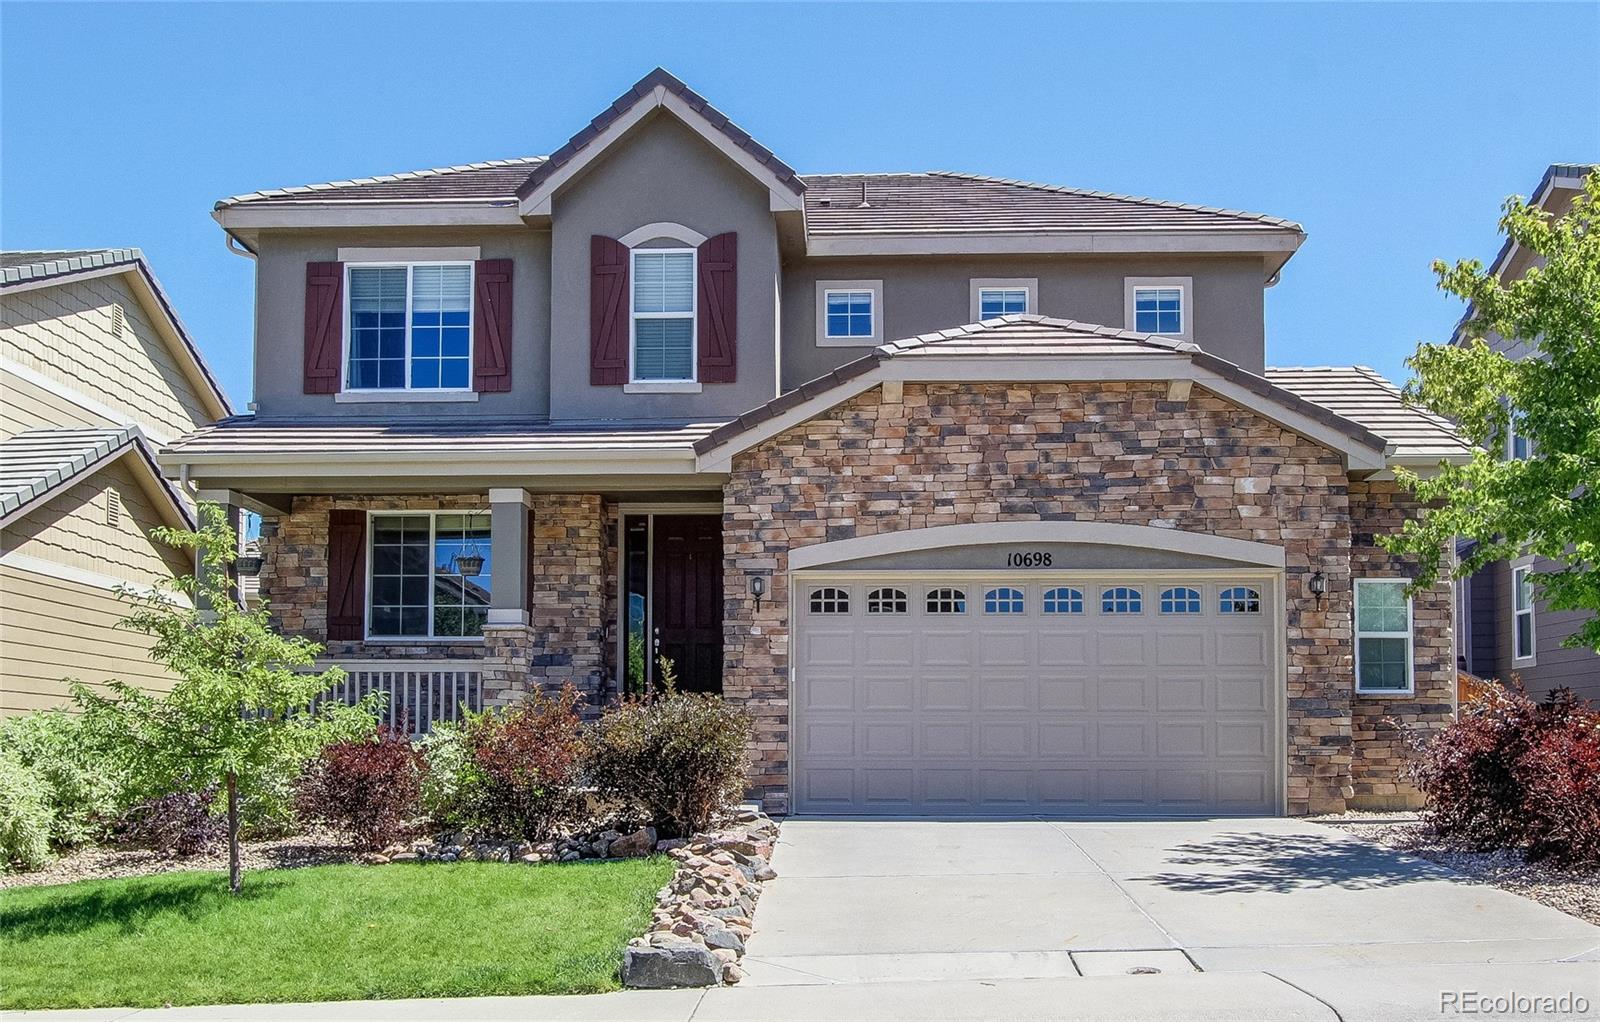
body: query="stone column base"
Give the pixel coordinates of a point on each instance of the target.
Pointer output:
(507, 660)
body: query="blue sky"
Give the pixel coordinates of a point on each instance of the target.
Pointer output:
(1392, 132)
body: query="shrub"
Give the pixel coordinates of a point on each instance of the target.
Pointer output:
(1510, 772)
(676, 759)
(368, 790)
(24, 817)
(80, 786)
(444, 781)
(511, 772)
(180, 823)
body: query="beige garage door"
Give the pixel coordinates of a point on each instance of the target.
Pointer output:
(1136, 694)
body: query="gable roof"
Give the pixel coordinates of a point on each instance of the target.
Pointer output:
(26, 270)
(491, 179)
(1362, 395)
(1027, 347)
(37, 465)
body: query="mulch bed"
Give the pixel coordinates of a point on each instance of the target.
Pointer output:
(1571, 890)
(104, 863)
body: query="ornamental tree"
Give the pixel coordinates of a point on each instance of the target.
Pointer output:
(1548, 503)
(243, 703)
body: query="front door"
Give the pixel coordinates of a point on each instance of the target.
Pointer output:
(686, 599)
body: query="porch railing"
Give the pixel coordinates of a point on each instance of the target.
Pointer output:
(420, 694)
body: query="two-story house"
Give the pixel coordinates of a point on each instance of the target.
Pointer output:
(977, 493)
(1506, 631)
(96, 369)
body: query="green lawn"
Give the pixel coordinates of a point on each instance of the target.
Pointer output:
(325, 933)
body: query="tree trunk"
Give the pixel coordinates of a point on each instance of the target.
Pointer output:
(233, 833)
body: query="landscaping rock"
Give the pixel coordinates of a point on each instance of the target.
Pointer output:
(721, 937)
(683, 964)
(640, 842)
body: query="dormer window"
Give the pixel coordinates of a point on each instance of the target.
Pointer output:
(1159, 305)
(410, 326)
(663, 315)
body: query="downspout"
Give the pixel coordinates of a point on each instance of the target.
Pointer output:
(239, 248)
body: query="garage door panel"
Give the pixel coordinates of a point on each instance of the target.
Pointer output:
(980, 712)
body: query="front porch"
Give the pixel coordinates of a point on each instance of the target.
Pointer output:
(479, 599)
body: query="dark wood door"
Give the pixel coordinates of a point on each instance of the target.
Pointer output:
(686, 598)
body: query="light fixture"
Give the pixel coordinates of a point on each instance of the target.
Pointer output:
(248, 565)
(758, 588)
(1319, 584)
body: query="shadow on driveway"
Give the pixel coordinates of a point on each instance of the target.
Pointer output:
(1239, 863)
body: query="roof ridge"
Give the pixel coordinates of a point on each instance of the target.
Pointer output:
(378, 179)
(889, 348)
(1096, 194)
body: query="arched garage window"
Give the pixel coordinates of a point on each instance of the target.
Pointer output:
(1121, 600)
(947, 601)
(1003, 600)
(887, 600)
(1180, 600)
(1240, 600)
(829, 600)
(1063, 600)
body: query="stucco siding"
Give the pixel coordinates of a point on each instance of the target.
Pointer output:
(281, 304)
(923, 294)
(69, 333)
(663, 172)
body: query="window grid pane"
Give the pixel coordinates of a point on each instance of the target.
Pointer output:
(887, 601)
(377, 327)
(1240, 600)
(849, 313)
(663, 349)
(1180, 600)
(1121, 600)
(663, 316)
(441, 309)
(1158, 310)
(947, 601)
(829, 600)
(399, 575)
(994, 302)
(1004, 600)
(460, 602)
(1063, 600)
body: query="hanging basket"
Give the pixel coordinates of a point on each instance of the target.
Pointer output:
(249, 565)
(469, 565)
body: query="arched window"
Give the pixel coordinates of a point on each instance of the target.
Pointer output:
(1063, 600)
(1121, 600)
(829, 600)
(1180, 600)
(947, 601)
(887, 600)
(1240, 600)
(1003, 600)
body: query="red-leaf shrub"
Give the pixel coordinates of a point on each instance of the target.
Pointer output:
(1510, 772)
(365, 789)
(182, 823)
(517, 777)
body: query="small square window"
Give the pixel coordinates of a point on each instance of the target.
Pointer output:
(994, 302)
(849, 315)
(1158, 310)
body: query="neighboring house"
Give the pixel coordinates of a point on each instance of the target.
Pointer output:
(976, 493)
(95, 369)
(1505, 631)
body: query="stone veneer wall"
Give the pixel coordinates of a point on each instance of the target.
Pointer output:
(1113, 452)
(1380, 748)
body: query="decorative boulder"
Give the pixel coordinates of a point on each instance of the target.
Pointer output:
(675, 965)
(640, 842)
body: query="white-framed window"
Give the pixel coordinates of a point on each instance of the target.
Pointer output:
(1524, 639)
(662, 314)
(1004, 600)
(887, 600)
(1180, 600)
(1003, 296)
(1062, 600)
(830, 600)
(409, 326)
(1121, 600)
(428, 574)
(1159, 305)
(849, 313)
(1383, 635)
(946, 601)
(1518, 446)
(1239, 600)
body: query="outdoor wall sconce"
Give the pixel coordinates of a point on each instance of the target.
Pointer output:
(1319, 584)
(758, 588)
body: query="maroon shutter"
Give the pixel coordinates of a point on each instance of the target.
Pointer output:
(491, 326)
(608, 312)
(347, 574)
(324, 327)
(719, 307)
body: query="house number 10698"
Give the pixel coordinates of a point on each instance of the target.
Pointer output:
(1028, 559)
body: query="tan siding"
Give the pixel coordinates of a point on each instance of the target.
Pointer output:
(25, 406)
(66, 332)
(55, 629)
(71, 529)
